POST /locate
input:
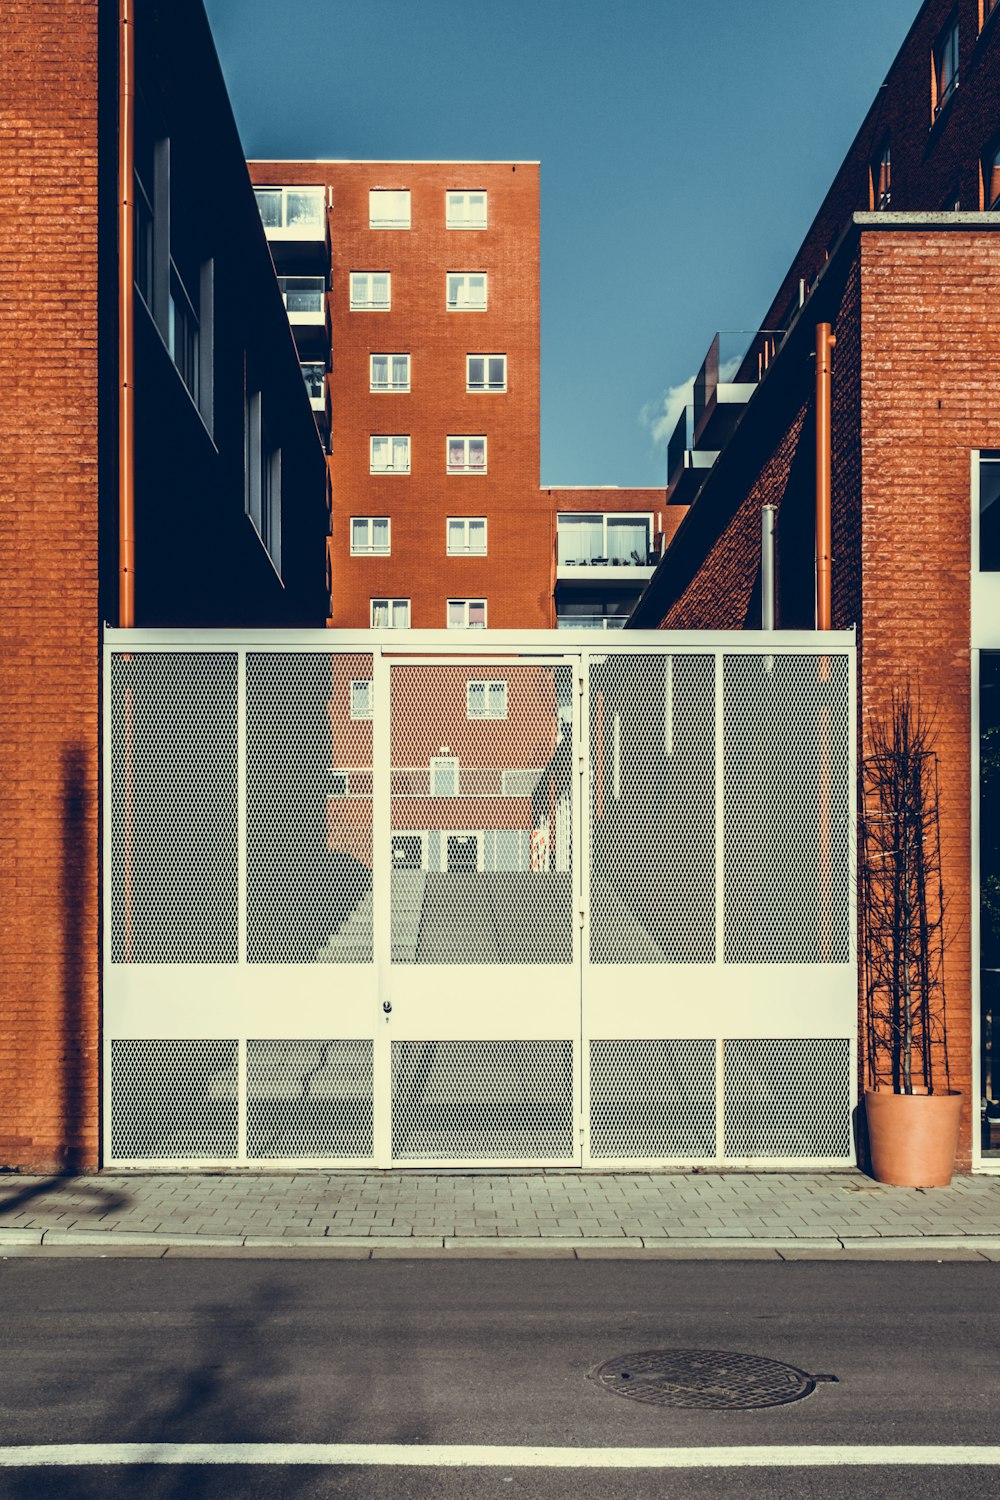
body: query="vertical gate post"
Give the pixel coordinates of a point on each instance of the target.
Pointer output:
(382, 903)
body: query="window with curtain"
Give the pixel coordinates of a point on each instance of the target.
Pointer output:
(390, 614)
(466, 614)
(371, 291)
(486, 372)
(390, 372)
(581, 539)
(466, 290)
(466, 455)
(466, 536)
(465, 211)
(486, 698)
(389, 208)
(390, 455)
(361, 698)
(370, 536)
(627, 540)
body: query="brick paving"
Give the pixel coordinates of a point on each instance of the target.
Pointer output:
(460, 1213)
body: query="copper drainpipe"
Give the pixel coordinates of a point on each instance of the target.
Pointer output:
(126, 324)
(825, 341)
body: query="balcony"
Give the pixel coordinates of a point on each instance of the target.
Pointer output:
(732, 368)
(293, 213)
(687, 465)
(595, 548)
(314, 375)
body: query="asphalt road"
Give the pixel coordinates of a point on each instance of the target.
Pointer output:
(486, 1353)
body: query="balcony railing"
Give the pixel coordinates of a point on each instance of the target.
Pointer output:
(687, 465)
(729, 375)
(600, 540)
(304, 298)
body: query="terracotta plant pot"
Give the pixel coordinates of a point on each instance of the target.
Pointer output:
(913, 1137)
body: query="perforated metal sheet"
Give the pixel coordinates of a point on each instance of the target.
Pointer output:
(482, 1101)
(652, 1099)
(174, 1100)
(652, 814)
(787, 820)
(173, 808)
(482, 855)
(309, 810)
(788, 1098)
(309, 1098)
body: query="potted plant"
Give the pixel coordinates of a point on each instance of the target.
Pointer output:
(912, 1111)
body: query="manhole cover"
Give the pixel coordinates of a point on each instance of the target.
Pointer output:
(707, 1379)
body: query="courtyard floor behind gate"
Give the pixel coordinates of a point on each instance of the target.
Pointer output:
(786, 1215)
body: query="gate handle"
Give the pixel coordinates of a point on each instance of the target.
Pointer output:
(387, 1006)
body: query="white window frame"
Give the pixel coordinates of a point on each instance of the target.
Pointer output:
(314, 193)
(465, 467)
(458, 212)
(483, 685)
(635, 516)
(371, 550)
(392, 605)
(388, 386)
(465, 605)
(457, 291)
(368, 304)
(465, 522)
(361, 698)
(441, 763)
(485, 388)
(381, 202)
(344, 778)
(392, 438)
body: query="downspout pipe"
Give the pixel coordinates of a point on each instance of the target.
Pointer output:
(767, 577)
(126, 315)
(825, 342)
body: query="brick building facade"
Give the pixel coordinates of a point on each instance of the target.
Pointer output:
(903, 260)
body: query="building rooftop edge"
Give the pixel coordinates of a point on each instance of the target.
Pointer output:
(387, 161)
(937, 219)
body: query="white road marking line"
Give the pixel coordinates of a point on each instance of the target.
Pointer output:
(462, 1456)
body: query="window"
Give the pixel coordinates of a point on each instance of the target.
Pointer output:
(361, 697)
(466, 614)
(601, 540)
(369, 536)
(466, 536)
(465, 211)
(986, 9)
(389, 208)
(390, 455)
(945, 67)
(184, 332)
(444, 775)
(338, 784)
(989, 512)
(466, 291)
(262, 478)
(486, 699)
(390, 614)
(991, 177)
(881, 179)
(466, 455)
(314, 376)
(296, 208)
(303, 296)
(486, 372)
(370, 291)
(390, 372)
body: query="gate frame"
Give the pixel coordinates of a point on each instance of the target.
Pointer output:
(575, 649)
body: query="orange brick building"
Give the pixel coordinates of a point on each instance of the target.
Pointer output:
(429, 354)
(903, 261)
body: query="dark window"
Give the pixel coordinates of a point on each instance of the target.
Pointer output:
(991, 177)
(989, 512)
(881, 178)
(945, 62)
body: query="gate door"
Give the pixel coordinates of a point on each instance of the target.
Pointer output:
(474, 866)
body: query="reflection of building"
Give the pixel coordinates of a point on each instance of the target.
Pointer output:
(903, 261)
(203, 503)
(416, 314)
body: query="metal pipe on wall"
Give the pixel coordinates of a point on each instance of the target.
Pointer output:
(825, 341)
(126, 324)
(767, 579)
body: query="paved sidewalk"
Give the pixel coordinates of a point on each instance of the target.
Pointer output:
(787, 1215)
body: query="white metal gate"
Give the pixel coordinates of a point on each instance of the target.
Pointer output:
(507, 899)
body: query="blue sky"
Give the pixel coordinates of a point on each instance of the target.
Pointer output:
(685, 147)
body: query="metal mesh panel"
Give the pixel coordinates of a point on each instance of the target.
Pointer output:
(652, 789)
(173, 1100)
(309, 809)
(788, 1098)
(787, 809)
(307, 1098)
(652, 1099)
(481, 859)
(173, 808)
(485, 1101)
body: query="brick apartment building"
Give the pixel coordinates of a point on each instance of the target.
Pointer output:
(903, 261)
(204, 544)
(413, 291)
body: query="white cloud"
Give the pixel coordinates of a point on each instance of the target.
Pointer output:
(661, 416)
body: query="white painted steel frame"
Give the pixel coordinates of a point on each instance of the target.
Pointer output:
(169, 1001)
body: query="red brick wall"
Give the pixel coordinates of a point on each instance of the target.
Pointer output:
(928, 398)
(48, 606)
